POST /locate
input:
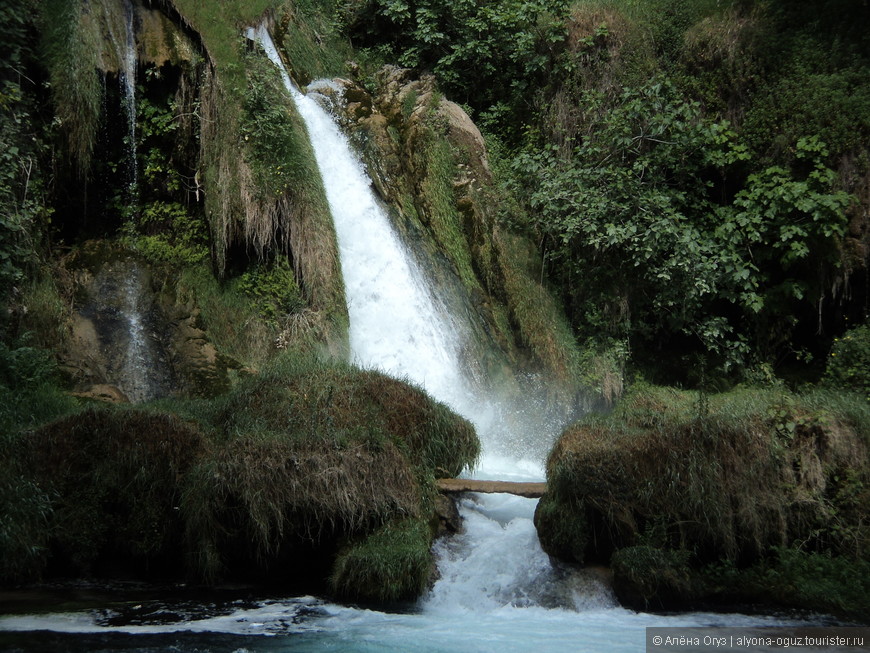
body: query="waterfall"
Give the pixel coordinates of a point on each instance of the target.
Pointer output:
(125, 53)
(128, 81)
(121, 308)
(399, 325)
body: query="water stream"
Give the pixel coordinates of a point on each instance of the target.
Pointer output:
(125, 52)
(497, 590)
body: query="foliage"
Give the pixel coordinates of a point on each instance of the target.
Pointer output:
(849, 363)
(279, 145)
(487, 55)
(311, 39)
(28, 398)
(23, 215)
(230, 316)
(71, 45)
(274, 289)
(391, 564)
(722, 471)
(157, 123)
(629, 211)
(635, 211)
(28, 394)
(797, 578)
(166, 232)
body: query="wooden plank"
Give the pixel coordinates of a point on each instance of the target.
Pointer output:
(530, 490)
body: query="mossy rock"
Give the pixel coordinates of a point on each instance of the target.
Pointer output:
(729, 477)
(562, 535)
(646, 577)
(392, 564)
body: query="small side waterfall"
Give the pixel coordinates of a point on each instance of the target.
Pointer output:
(128, 81)
(398, 325)
(121, 309)
(125, 53)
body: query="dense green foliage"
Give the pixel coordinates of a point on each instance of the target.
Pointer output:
(488, 55)
(24, 215)
(849, 362)
(687, 166)
(28, 397)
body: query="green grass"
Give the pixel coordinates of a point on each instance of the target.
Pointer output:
(725, 471)
(311, 449)
(439, 200)
(312, 42)
(308, 451)
(391, 564)
(229, 316)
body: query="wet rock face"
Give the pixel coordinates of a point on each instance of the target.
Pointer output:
(119, 331)
(130, 342)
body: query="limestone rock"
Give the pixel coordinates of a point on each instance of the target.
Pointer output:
(131, 341)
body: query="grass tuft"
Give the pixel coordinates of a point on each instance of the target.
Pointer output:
(391, 564)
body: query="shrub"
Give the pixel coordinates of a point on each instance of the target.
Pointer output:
(114, 478)
(849, 361)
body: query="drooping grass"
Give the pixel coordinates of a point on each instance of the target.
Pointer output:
(744, 495)
(732, 475)
(313, 450)
(271, 197)
(72, 46)
(391, 564)
(314, 48)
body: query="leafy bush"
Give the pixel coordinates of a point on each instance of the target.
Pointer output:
(167, 232)
(849, 362)
(487, 55)
(274, 289)
(629, 211)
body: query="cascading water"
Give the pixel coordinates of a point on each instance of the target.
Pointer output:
(121, 310)
(125, 53)
(139, 361)
(398, 325)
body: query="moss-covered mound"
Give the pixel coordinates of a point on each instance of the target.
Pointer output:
(672, 482)
(265, 482)
(114, 482)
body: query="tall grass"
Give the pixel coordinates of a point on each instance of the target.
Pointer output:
(312, 42)
(391, 564)
(72, 45)
(730, 475)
